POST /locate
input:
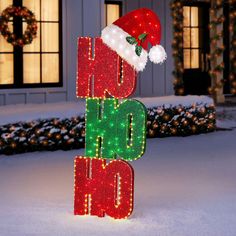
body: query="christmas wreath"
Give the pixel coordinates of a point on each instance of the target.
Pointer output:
(26, 15)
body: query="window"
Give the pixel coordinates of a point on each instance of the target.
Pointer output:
(113, 10)
(191, 32)
(36, 64)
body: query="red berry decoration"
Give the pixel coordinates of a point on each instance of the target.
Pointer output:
(31, 29)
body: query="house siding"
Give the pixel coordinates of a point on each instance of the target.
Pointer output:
(86, 18)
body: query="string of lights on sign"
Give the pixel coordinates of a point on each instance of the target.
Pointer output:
(115, 130)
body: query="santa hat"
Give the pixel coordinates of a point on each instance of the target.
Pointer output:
(129, 37)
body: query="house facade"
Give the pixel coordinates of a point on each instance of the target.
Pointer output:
(44, 71)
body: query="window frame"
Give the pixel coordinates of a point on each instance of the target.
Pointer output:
(190, 48)
(118, 3)
(18, 82)
(194, 3)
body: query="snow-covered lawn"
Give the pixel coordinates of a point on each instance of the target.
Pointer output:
(183, 187)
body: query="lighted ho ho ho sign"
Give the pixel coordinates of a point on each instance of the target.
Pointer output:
(115, 131)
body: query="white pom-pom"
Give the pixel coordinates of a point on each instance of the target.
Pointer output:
(157, 54)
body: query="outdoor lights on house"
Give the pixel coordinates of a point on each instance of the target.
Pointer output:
(232, 17)
(185, 27)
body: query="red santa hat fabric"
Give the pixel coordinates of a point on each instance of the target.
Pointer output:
(130, 35)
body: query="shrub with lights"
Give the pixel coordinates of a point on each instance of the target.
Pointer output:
(65, 134)
(232, 27)
(164, 121)
(38, 135)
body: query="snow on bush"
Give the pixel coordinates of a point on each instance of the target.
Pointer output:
(167, 116)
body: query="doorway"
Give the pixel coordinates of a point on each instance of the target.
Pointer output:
(196, 48)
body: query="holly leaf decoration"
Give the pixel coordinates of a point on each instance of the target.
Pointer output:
(138, 50)
(142, 37)
(131, 40)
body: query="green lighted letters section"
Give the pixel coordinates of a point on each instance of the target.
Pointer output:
(100, 127)
(131, 129)
(115, 129)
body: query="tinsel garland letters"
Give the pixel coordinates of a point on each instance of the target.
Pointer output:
(114, 130)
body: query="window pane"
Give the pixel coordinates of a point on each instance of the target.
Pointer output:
(50, 68)
(34, 6)
(37, 67)
(35, 45)
(186, 12)
(186, 37)
(50, 37)
(195, 58)
(31, 68)
(6, 69)
(194, 16)
(4, 45)
(112, 13)
(194, 37)
(50, 10)
(4, 4)
(186, 58)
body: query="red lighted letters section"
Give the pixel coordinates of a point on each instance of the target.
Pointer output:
(103, 74)
(102, 188)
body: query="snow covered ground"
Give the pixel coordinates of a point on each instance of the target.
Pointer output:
(226, 117)
(183, 187)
